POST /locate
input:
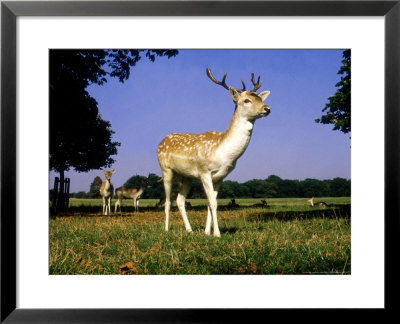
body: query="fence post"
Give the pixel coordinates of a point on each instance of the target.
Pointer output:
(66, 192)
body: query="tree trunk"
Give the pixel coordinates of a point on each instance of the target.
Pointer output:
(61, 194)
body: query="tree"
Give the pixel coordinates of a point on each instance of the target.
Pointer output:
(261, 188)
(285, 188)
(94, 191)
(155, 187)
(340, 187)
(79, 137)
(289, 189)
(230, 189)
(196, 189)
(338, 108)
(314, 188)
(80, 195)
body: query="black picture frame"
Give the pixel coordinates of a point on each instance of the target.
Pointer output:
(10, 10)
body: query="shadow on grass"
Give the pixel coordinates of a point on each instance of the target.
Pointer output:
(96, 210)
(333, 212)
(228, 230)
(260, 214)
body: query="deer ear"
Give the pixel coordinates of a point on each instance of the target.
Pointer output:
(113, 170)
(264, 95)
(234, 94)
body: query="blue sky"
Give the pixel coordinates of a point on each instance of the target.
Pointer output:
(175, 95)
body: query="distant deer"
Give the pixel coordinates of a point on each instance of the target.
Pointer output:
(319, 203)
(161, 202)
(233, 203)
(107, 191)
(210, 156)
(174, 195)
(263, 204)
(130, 193)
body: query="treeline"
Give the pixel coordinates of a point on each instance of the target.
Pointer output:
(271, 187)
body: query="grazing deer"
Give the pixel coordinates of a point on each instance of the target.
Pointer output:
(210, 156)
(263, 204)
(161, 202)
(107, 191)
(127, 193)
(233, 204)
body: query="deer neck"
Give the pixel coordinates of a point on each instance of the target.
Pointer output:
(236, 137)
(107, 185)
(140, 191)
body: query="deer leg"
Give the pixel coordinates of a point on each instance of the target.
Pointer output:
(104, 205)
(167, 179)
(180, 201)
(212, 201)
(134, 204)
(208, 224)
(109, 205)
(117, 203)
(137, 205)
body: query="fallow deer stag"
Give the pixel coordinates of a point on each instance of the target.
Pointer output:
(127, 193)
(107, 191)
(210, 156)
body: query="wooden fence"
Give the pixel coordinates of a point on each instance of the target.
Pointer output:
(60, 194)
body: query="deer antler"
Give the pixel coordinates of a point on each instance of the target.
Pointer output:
(256, 85)
(222, 82)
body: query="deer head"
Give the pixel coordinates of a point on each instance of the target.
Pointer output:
(108, 174)
(248, 104)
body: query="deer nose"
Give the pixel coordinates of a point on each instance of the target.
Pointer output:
(267, 109)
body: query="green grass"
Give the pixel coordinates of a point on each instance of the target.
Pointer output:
(287, 238)
(76, 202)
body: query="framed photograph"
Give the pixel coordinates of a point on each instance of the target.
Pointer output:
(34, 288)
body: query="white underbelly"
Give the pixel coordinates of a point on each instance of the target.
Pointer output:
(183, 166)
(193, 168)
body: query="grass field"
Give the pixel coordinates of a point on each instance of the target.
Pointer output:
(288, 237)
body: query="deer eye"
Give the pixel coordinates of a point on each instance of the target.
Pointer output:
(247, 100)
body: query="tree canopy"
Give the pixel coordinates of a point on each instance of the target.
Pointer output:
(338, 109)
(79, 137)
